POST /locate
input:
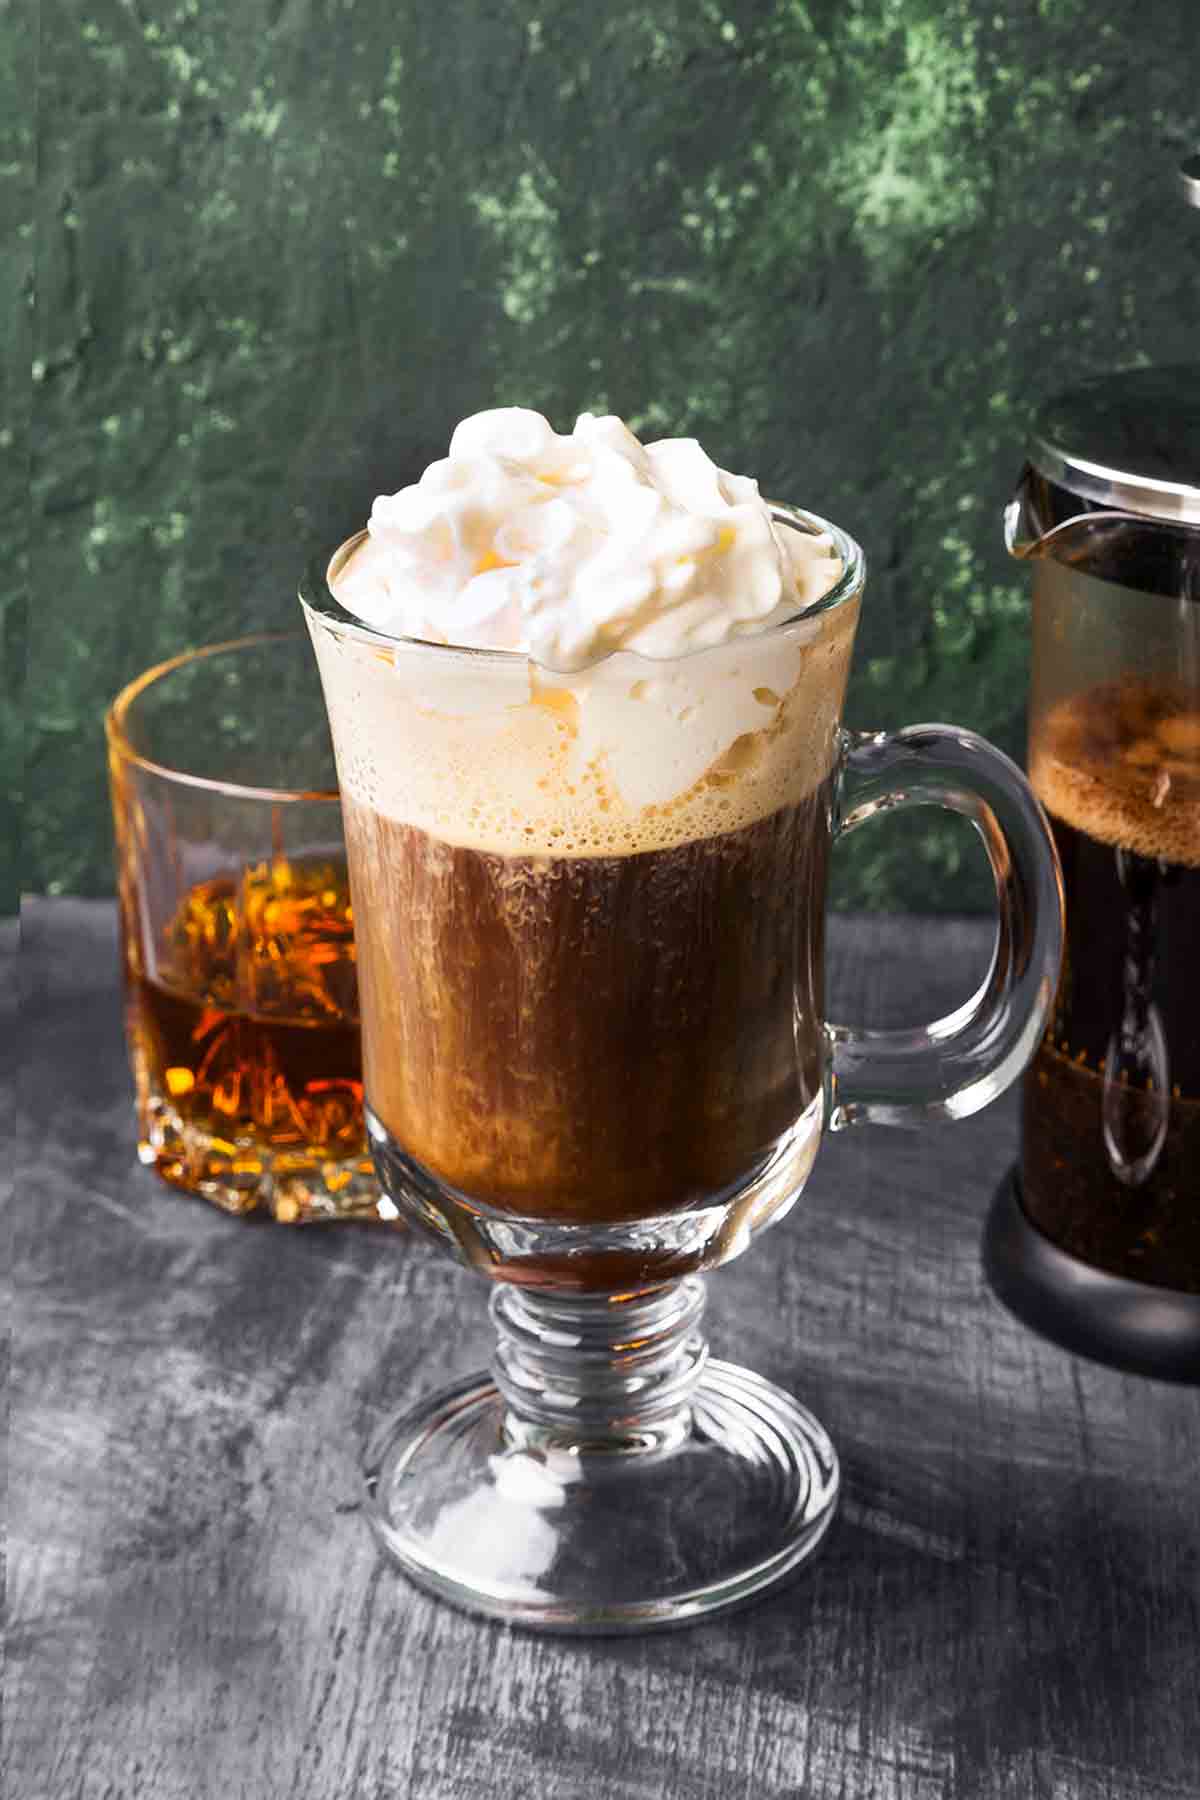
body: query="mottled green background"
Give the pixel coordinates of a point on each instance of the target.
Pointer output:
(282, 245)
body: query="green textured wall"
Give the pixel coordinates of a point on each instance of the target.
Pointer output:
(282, 245)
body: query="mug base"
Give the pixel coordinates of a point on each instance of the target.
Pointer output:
(1130, 1325)
(599, 1540)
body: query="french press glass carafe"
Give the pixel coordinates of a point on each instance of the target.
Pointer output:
(1095, 1240)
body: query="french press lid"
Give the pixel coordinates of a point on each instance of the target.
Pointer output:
(1129, 442)
(1112, 484)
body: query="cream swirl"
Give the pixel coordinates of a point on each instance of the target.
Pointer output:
(569, 548)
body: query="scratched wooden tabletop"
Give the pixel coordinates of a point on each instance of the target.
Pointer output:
(1008, 1605)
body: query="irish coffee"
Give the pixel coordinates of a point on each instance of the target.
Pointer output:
(587, 827)
(1111, 1156)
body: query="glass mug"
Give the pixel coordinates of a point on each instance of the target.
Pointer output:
(590, 914)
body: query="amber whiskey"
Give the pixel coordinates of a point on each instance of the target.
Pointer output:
(246, 1045)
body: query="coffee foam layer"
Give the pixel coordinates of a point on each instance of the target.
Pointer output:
(1122, 764)
(494, 753)
(1085, 799)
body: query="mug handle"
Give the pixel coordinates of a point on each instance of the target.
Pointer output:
(952, 1067)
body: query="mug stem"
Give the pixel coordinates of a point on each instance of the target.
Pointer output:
(599, 1373)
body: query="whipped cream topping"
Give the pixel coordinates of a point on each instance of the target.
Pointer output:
(569, 548)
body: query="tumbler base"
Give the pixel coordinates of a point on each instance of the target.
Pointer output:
(517, 1523)
(1130, 1325)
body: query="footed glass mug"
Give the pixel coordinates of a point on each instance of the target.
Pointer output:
(590, 919)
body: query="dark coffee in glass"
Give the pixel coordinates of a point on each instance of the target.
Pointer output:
(1111, 1157)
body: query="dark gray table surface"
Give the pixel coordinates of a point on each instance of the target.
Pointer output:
(1008, 1605)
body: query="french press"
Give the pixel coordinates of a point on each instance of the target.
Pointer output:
(1094, 1240)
